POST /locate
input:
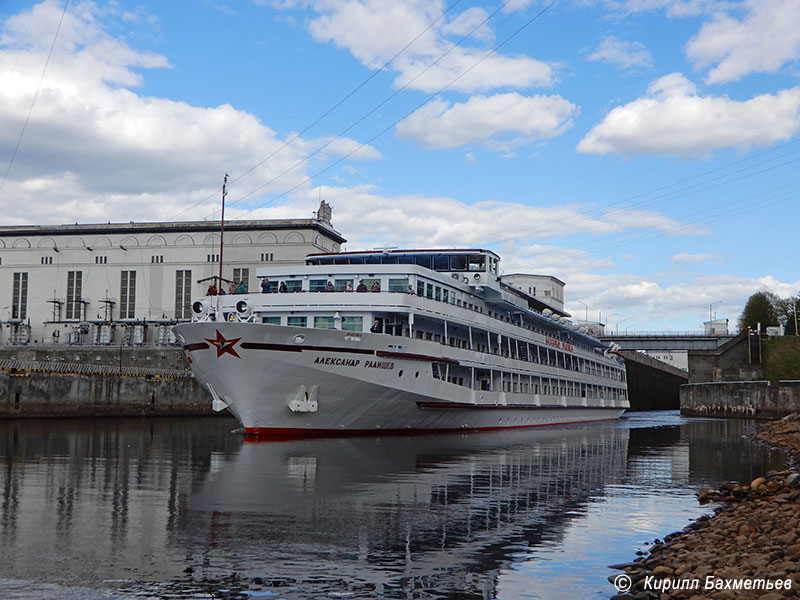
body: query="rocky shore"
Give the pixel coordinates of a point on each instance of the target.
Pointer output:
(748, 549)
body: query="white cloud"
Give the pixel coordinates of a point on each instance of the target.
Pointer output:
(499, 121)
(673, 119)
(673, 8)
(373, 31)
(762, 42)
(422, 220)
(625, 55)
(96, 150)
(470, 22)
(684, 258)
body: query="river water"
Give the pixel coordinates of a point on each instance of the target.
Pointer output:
(184, 508)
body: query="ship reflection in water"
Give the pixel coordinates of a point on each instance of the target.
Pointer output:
(117, 509)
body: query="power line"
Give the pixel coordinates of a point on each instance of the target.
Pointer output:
(393, 124)
(331, 109)
(38, 87)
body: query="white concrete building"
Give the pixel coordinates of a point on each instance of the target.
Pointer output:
(127, 283)
(545, 288)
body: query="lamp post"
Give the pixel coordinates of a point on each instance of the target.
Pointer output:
(621, 321)
(586, 316)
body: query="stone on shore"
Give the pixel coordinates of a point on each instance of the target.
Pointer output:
(752, 537)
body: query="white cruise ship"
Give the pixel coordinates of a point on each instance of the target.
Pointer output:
(397, 341)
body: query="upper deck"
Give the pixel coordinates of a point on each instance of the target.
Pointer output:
(476, 267)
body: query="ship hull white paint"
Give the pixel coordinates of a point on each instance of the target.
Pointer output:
(281, 380)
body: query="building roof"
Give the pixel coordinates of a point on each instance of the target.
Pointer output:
(504, 275)
(169, 227)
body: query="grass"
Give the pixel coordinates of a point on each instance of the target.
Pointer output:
(782, 359)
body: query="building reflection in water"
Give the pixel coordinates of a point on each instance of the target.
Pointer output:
(85, 502)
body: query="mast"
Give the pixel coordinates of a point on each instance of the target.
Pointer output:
(222, 230)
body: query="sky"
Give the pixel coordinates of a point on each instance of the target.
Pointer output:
(645, 152)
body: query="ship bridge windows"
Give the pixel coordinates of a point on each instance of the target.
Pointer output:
(271, 320)
(477, 262)
(441, 262)
(297, 321)
(317, 285)
(423, 260)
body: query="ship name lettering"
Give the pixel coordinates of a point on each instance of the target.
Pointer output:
(558, 344)
(379, 364)
(339, 362)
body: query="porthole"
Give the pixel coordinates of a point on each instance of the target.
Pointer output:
(400, 373)
(416, 375)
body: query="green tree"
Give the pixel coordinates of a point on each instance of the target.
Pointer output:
(761, 307)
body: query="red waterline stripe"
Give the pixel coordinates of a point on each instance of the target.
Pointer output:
(266, 434)
(469, 406)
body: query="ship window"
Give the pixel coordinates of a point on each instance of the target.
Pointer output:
(437, 294)
(428, 290)
(398, 285)
(354, 260)
(388, 260)
(445, 295)
(458, 262)
(271, 320)
(441, 262)
(297, 321)
(323, 323)
(405, 259)
(477, 262)
(340, 285)
(371, 285)
(317, 285)
(353, 323)
(294, 286)
(372, 260)
(423, 260)
(420, 288)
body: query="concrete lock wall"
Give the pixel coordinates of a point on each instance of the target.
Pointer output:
(30, 394)
(750, 399)
(652, 384)
(57, 381)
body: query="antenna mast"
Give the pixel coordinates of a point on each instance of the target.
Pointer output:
(222, 230)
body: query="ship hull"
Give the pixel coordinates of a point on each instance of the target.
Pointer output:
(288, 381)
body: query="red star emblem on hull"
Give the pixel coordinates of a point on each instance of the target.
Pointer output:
(224, 346)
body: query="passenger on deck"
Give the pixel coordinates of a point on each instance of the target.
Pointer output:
(265, 286)
(348, 287)
(329, 287)
(376, 286)
(376, 327)
(361, 287)
(232, 287)
(242, 288)
(212, 290)
(282, 288)
(410, 290)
